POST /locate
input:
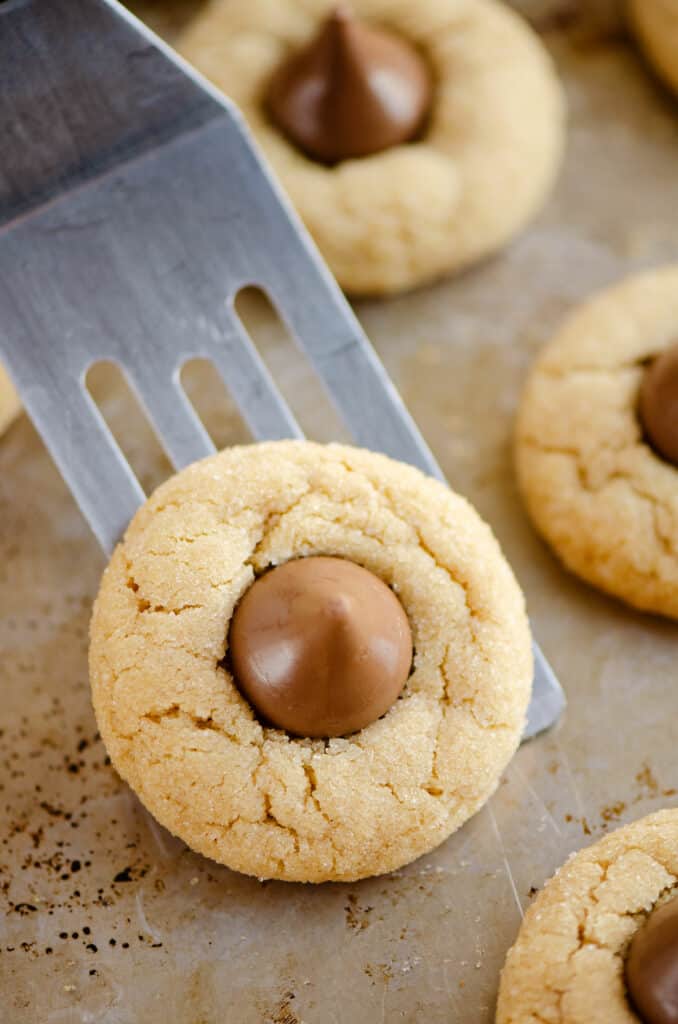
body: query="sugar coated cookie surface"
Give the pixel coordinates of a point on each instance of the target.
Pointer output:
(655, 23)
(568, 963)
(180, 732)
(10, 405)
(594, 485)
(481, 168)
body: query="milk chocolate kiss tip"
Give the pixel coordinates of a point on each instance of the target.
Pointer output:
(652, 966)
(320, 647)
(352, 91)
(659, 404)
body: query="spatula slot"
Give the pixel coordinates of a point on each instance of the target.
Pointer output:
(289, 366)
(213, 403)
(126, 419)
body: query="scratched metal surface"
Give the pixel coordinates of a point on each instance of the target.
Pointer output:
(103, 916)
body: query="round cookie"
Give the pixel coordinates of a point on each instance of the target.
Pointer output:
(594, 487)
(10, 406)
(253, 797)
(484, 165)
(655, 23)
(567, 965)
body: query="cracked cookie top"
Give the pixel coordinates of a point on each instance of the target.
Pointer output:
(567, 965)
(595, 488)
(251, 796)
(477, 172)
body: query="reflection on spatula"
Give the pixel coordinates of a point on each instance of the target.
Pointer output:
(133, 208)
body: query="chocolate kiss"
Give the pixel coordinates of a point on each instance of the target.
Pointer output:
(320, 646)
(353, 91)
(652, 966)
(659, 404)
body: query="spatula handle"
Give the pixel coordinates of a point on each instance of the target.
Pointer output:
(82, 87)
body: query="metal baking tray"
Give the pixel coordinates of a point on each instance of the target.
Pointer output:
(104, 917)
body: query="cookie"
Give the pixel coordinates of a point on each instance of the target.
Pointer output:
(596, 486)
(481, 167)
(568, 963)
(257, 798)
(655, 23)
(10, 405)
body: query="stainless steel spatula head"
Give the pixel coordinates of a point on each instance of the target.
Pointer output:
(133, 208)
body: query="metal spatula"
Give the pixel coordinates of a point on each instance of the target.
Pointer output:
(133, 208)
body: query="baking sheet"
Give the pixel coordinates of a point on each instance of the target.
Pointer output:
(105, 917)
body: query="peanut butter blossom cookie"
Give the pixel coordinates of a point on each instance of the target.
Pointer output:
(597, 442)
(600, 942)
(311, 662)
(412, 138)
(9, 401)
(655, 23)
